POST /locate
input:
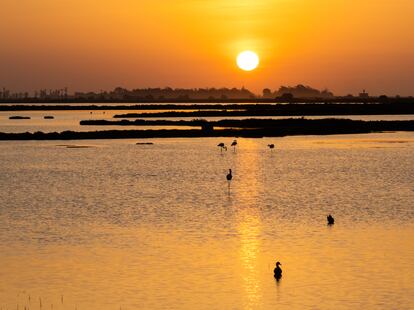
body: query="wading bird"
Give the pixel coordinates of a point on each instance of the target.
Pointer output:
(222, 147)
(330, 219)
(234, 144)
(277, 271)
(229, 177)
(271, 146)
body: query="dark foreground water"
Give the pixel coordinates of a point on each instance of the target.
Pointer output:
(116, 225)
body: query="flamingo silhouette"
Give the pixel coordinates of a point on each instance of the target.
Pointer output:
(234, 144)
(229, 177)
(271, 146)
(222, 147)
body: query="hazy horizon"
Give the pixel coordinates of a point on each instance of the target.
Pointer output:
(90, 45)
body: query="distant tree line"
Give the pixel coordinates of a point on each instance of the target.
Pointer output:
(168, 93)
(154, 94)
(299, 91)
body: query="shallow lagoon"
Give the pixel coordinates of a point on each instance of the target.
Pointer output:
(69, 120)
(154, 226)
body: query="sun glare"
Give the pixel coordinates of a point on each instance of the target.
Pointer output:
(247, 60)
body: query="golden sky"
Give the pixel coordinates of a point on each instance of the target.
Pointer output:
(344, 45)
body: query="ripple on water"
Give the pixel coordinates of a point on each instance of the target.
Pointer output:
(120, 225)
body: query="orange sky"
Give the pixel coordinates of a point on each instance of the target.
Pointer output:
(345, 45)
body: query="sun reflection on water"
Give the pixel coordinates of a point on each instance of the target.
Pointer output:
(249, 230)
(121, 226)
(249, 224)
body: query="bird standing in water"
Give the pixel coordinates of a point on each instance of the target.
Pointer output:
(330, 219)
(222, 147)
(234, 144)
(271, 146)
(229, 177)
(278, 271)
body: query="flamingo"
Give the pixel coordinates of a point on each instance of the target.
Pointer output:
(330, 219)
(222, 147)
(271, 146)
(277, 271)
(234, 144)
(229, 177)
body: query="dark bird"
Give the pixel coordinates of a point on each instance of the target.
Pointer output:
(277, 271)
(229, 176)
(330, 219)
(222, 147)
(271, 146)
(234, 144)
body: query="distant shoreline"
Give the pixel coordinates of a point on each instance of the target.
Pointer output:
(243, 128)
(149, 102)
(245, 110)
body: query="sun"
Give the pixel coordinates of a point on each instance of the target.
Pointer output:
(248, 60)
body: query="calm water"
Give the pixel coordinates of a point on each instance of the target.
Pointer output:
(118, 225)
(69, 120)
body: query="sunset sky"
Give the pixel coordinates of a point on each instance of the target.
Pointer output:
(344, 45)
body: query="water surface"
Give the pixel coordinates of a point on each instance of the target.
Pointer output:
(118, 225)
(69, 120)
